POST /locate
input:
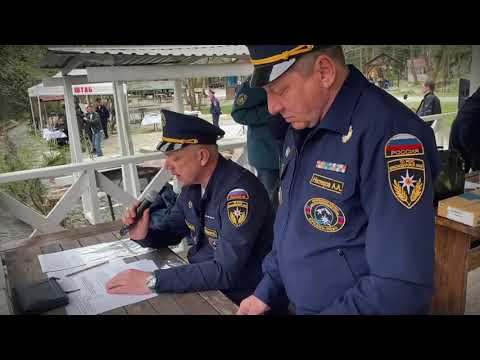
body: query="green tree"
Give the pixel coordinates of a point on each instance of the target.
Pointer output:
(20, 70)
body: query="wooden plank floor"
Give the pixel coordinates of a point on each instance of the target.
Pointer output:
(24, 268)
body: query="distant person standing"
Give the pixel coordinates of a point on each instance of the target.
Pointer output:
(430, 104)
(215, 108)
(102, 110)
(465, 132)
(93, 122)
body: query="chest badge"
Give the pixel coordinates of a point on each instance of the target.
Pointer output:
(324, 215)
(346, 138)
(190, 226)
(325, 165)
(190, 205)
(287, 151)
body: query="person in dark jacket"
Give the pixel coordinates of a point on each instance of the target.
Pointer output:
(215, 108)
(102, 111)
(222, 208)
(250, 108)
(465, 132)
(430, 104)
(93, 122)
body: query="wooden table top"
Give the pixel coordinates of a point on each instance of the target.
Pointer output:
(22, 268)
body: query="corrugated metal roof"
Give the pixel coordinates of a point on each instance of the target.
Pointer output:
(165, 50)
(59, 56)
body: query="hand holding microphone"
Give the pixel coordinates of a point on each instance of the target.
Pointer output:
(136, 219)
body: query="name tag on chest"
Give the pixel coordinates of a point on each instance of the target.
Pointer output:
(327, 183)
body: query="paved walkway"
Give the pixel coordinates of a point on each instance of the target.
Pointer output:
(144, 142)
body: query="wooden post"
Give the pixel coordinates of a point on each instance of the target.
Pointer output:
(131, 183)
(89, 197)
(178, 96)
(451, 270)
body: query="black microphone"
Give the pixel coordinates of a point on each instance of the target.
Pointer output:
(144, 205)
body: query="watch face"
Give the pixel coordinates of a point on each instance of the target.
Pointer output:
(151, 282)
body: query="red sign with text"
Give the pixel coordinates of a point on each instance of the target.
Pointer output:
(80, 90)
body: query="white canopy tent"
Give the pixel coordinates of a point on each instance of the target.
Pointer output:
(49, 93)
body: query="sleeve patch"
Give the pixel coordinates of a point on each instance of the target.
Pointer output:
(238, 194)
(241, 99)
(403, 145)
(406, 177)
(237, 206)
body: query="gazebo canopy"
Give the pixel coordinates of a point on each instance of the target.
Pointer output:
(80, 57)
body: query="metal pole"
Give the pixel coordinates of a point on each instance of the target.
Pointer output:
(34, 122)
(40, 113)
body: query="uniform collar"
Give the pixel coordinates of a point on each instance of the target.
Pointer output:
(217, 177)
(339, 115)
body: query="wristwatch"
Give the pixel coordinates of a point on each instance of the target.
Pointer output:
(151, 282)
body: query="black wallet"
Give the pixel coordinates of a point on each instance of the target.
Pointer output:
(40, 297)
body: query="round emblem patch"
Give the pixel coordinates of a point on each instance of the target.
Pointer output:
(324, 215)
(242, 99)
(190, 205)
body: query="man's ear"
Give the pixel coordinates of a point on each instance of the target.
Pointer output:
(204, 155)
(325, 70)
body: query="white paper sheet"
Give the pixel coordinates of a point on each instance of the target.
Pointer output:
(74, 258)
(93, 298)
(60, 260)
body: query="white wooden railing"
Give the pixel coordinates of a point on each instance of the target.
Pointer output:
(440, 127)
(87, 178)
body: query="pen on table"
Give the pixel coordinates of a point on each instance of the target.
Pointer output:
(87, 268)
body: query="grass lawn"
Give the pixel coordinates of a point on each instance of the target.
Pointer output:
(416, 90)
(225, 105)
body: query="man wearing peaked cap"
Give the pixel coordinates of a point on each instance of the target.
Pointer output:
(223, 210)
(271, 61)
(180, 130)
(354, 233)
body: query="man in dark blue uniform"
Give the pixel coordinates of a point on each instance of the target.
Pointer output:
(354, 233)
(223, 208)
(465, 133)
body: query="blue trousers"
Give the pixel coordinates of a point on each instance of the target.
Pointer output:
(97, 143)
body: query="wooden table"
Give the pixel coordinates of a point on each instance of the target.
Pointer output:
(455, 255)
(21, 266)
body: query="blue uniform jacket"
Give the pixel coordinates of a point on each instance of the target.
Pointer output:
(230, 237)
(354, 233)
